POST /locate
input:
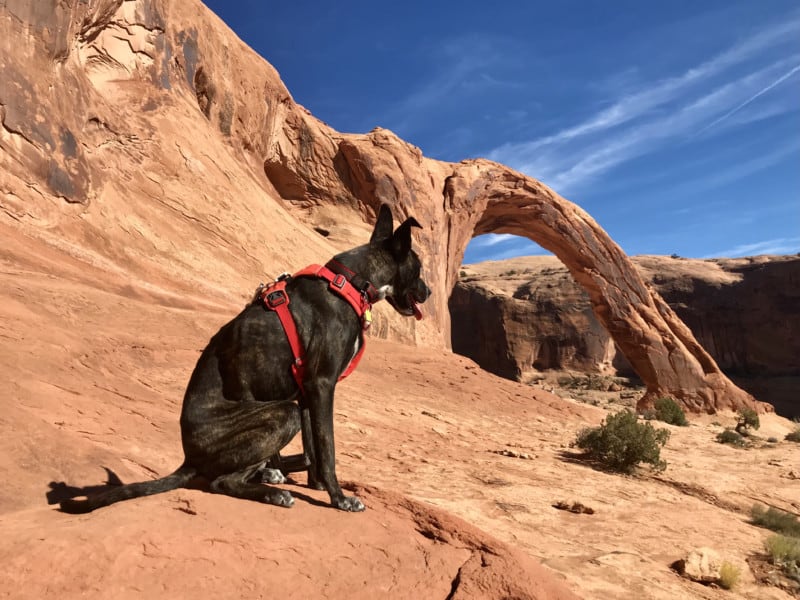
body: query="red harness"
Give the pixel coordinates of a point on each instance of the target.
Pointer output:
(343, 282)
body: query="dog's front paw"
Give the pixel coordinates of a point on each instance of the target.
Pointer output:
(350, 504)
(279, 498)
(272, 476)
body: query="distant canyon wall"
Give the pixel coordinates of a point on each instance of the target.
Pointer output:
(526, 315)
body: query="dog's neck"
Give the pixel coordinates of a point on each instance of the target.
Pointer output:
(375, 267)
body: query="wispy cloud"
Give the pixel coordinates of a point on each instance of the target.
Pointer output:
(758, 94)
(499, 246)
(492, 239)
(676, 109)
(776, 246)
(464, 65)
(599, 157)
(745, 168)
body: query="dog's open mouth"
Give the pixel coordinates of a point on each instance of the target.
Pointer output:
(415, 307)
(412, 309)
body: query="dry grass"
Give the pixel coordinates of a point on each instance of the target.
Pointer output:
(729, 575)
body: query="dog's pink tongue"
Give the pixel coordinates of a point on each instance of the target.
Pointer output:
(417, 311)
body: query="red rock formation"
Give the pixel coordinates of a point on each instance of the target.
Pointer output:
(531, 315)
(149, 116)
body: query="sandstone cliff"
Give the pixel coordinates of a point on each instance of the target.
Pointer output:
(533, 316)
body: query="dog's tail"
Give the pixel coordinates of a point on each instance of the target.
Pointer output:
(177, 479)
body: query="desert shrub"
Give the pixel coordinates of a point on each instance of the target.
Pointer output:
(747, 418)
(621, 442)
(650, 414)
(772, 440)
(793, 436)
(669, 411)
(775, 519)
(729, 436)
(729, 575)
(783, 549)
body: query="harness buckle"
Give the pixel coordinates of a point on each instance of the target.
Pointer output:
(276, 298)
(339, 281)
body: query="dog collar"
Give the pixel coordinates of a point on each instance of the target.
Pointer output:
(357, 281)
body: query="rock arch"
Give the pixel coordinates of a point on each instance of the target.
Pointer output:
(660, 347)
(458, 201)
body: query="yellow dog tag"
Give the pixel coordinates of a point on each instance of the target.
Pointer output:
(367, 318)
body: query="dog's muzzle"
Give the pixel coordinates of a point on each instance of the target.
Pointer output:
(417, 297)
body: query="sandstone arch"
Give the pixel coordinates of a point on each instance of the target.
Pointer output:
(659, 346)
(479, 196)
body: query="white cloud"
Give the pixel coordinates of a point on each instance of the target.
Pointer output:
(493, 246)
(777, 246)
(641, 139)
(492, 239)
(676, 108)
(758, 94)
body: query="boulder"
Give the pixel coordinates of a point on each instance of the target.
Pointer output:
(702, 565)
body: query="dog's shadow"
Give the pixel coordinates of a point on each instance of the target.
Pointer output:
(60, 490)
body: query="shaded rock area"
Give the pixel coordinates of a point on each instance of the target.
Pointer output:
(532, 316)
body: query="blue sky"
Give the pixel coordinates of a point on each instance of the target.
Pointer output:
(676, 125)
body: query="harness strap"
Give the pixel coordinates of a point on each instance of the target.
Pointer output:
(274, 297)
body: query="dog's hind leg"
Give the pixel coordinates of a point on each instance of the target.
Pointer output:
(252, 433)
(272, 472)
(278, 466)
(236, 484)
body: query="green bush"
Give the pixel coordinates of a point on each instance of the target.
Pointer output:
(747, 418)
(729, 575)
(729, 436)
(669, 411)
(775, 519)
(793, 436)
(621, 442)
(783, 549)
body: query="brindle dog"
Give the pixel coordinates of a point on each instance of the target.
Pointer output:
(240, 406)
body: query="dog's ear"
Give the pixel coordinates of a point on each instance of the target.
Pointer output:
(400, 244)
(383, 227)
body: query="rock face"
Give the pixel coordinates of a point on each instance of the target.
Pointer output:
(532, 315)
(150, 116)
